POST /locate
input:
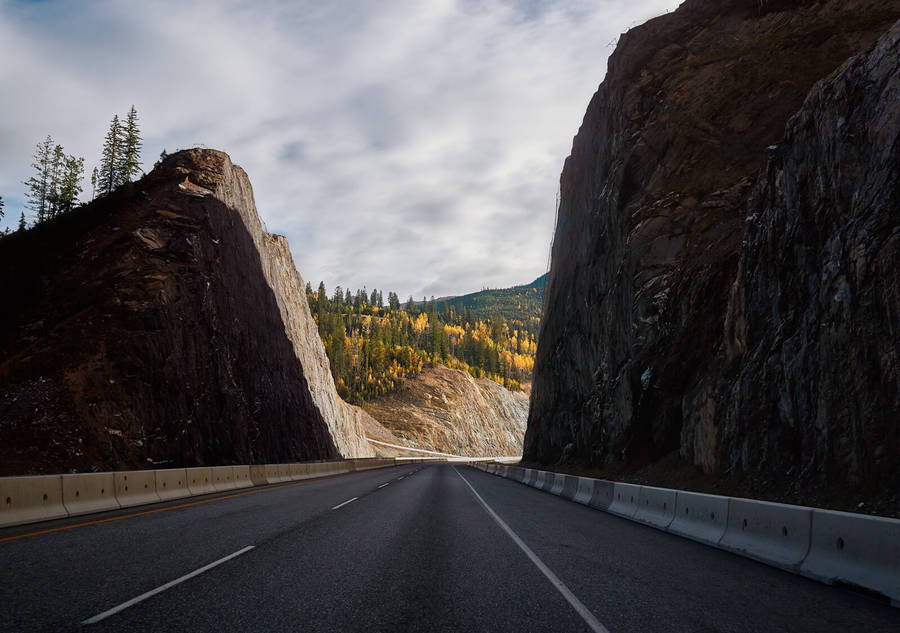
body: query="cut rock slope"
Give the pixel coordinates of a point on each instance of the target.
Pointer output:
(161, 325)
(449, 411)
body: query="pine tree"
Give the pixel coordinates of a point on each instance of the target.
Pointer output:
(130, 161)
(110, 163)
(22, 225)
(57, 162)
(95, 179)
(163, 155)
(70, 183)
(1, 208)
(39, 184)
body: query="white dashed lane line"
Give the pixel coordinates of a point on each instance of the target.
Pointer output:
(341, 505)
(160, 589)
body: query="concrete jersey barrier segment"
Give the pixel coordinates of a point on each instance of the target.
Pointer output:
(603, 494)
(700, 517)
(89, 492)
(625, 499)
(222, 478)
(570, 487)
(171, 483)
(199, 481)
(656, 506)
(258, 474)
(774, 533)
(29, 499)
(278, 473)
(584, 490)
(135, 487)
(242, 477)
(855, 550)
(559, 482)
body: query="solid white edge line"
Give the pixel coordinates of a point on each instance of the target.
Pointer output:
(383, 485)
(161, 588)
(341, 505)
(577, 604)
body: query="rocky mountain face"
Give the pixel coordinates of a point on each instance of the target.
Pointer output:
(721, 288)
(161, 325)
(449, 411)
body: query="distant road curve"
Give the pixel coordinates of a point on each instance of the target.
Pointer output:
(448, 455)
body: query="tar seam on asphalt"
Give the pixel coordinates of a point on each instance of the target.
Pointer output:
(577, 604)
(161, 588)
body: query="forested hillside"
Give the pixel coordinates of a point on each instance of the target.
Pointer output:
(373, 345)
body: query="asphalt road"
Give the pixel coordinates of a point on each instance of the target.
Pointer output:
(409, 548)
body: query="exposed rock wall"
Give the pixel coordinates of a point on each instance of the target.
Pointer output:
(231, 185)
(816, 304)
(636, 358)
(449, 411)
(161, 326)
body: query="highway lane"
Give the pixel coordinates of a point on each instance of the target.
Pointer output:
(371, 551)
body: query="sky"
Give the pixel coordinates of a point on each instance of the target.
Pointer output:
(405, 145)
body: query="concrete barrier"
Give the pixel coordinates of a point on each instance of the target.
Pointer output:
(626, 498)
(603, 495)
(700, 517)
(855, 549)
(530, 477)
(171, 483)
(30, 499)
(278, 473)
(584, 489)
(559, 481)
(656, 506)
(135, 487)
(89, 492)
(222, 478)
(199, 481)
(570, 487)
(773, 533)
(301, 470)
(242, 477)
(259, 475)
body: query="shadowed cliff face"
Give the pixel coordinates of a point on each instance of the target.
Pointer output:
(155, 327)
(636, 359)
(815, 310)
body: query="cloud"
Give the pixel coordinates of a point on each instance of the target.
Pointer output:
(405, 145)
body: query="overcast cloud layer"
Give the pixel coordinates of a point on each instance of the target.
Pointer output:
(410, 145)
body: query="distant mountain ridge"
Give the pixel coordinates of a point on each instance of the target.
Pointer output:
(518, 303)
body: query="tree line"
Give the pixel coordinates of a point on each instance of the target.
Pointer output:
(56, 183)
(373, 346)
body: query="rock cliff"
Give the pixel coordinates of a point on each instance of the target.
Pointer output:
(677, 318)
(449, 411)
(161, 325)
